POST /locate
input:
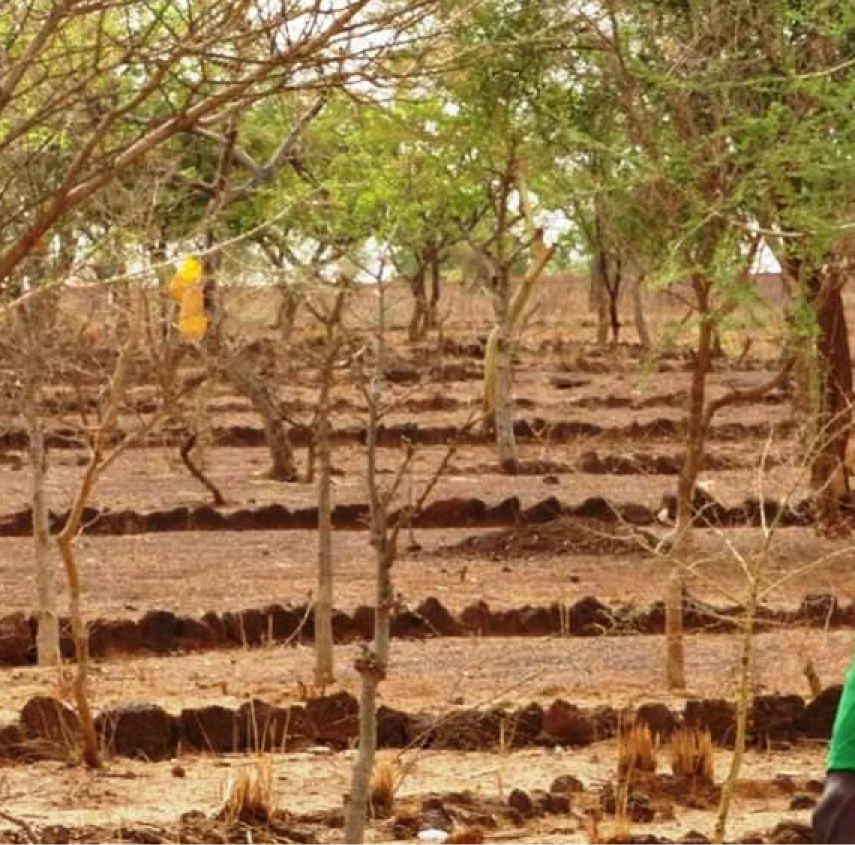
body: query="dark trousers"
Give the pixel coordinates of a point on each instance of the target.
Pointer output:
(834, 816)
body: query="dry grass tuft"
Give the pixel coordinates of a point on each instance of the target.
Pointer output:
(636, 751)
(692, 755)
(472, 835)
(381, 791)
(250, 795)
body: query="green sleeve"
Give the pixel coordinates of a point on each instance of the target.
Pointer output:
(841, 754)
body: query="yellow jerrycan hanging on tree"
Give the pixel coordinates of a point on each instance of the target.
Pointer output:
(186, 287)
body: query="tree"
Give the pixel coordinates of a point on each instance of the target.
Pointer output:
(697, 160)
(82, 102)
(331, 319)
(372, 664)
(497, 99)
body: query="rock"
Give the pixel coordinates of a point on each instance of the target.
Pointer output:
(363, 621)
(438, 618)
(590, 463)
(434, 816)
(566, 784)
(639, 807)
(791, 833)
(541, 801)
(776, 718)
(525, 725)
(559, 802)
(334, 719)
(477, 618)
(545, 511)
(507, 623)
(455, 512)
(472, 730)
(522, 803)
(12, 743)
(566, 724)
(694, 837)
(192, 633)
(54, 724)
(344, 629)
(605, 720)
(658, 717)
(266, 727)
(212, 728)
(178, 771)
(406, 624)
(246, 627)
(785, 782)
(405, 825)
(666, 465)
(394, 728)
(280, 622)
(114, 636)
(540, 621)
(16, 640)
(66, 640)
(157, 631)
(213, 620)
(802, 802)
(589, 617)
(715, 715)
(142, 731)
(402, 372)
(818, 717)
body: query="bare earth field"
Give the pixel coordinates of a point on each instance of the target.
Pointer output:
(491, 538)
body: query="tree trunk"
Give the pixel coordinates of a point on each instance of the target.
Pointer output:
(614, 312)
(601, 305)
(743, 709)
(683, 549)
(419, 319)
(287, 315)
(80, 635)
(47, 642)
(503, 402)
(357, 801)
(65, 541)
(202, 423)
(675, 658)
(435, 290)
(257, 391)
(638, 314)
(371, 666)
(610, 275)
(324, 657)
(829, 475)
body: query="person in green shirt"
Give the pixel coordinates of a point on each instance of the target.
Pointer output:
(834, 816)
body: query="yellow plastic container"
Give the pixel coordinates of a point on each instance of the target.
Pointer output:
(192, 321)
(189, 274)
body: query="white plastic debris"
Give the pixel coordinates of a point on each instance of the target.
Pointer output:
(432, 834)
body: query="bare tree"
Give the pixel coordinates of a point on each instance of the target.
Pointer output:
(47, 640)
(372, 664)
(331, 320)
(106, 442)
(499, 256)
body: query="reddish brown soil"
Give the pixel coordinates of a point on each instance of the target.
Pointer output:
(192, 572)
